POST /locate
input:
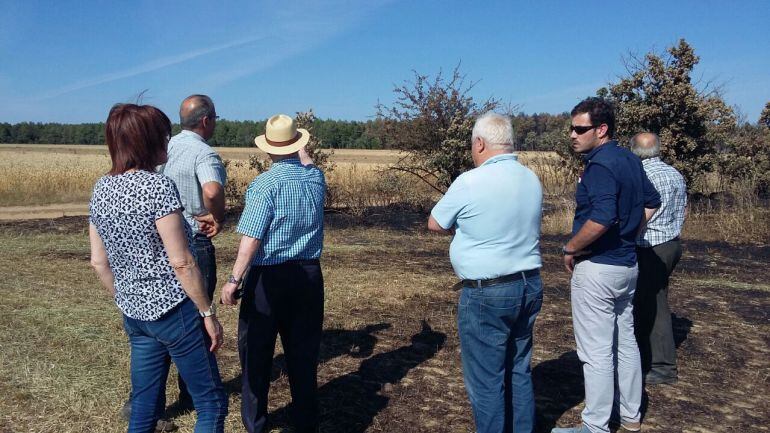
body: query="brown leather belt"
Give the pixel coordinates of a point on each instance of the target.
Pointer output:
(500, 280)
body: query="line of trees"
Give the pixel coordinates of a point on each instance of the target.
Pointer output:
(336, 134)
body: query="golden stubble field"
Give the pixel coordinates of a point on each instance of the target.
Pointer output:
(390, 356)
(39, 175)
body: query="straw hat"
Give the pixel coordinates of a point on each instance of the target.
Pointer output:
(282, 136)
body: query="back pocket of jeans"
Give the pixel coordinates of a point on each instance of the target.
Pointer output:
(496, 318)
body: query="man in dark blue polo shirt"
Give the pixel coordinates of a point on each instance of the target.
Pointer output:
(614, 198)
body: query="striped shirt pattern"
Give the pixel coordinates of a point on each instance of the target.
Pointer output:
(666, 223)
(191, 163)
(284, 209)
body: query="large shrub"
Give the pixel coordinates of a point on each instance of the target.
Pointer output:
(658, 95)
(431, 122)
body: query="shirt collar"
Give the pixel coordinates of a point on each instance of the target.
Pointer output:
(501, 157)
(192, 134)
(289, 161)
(588, 156)
(652, 160)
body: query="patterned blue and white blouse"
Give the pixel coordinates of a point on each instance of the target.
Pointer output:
(123, 209)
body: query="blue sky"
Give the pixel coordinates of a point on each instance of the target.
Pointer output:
(69, 61)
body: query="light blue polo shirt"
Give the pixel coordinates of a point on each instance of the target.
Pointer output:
(496, 210)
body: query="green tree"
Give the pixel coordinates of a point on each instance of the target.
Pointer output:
(764, 118)
(431, 122)
(659, 96)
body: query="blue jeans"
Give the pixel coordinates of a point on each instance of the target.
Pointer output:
(180, 335)
(205, 258)
(495, 325)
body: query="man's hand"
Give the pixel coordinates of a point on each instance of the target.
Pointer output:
(569, 262)
(228, 294)
(214, 330)
(304, 157)
(208, 225)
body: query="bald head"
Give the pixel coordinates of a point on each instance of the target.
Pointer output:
(645, 145)
(194, 108)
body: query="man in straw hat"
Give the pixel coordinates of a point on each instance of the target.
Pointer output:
(282, 228)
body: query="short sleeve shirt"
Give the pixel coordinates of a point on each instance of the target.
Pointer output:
(613, 191)
(123, 209)
(191, 163)
(666, 223)
(495, 210)
(284, 209)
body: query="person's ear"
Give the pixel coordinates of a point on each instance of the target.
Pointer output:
(602, 130)
(479, 145)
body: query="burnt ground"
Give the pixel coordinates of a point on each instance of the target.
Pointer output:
(394, 367)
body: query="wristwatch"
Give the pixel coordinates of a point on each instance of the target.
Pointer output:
(231, 279)
(212, 311)
(567, 252)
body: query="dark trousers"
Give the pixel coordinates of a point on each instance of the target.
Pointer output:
(285, 299)
(205, 257)
(652, 316)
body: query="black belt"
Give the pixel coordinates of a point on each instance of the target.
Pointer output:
(504, 279)
(301, 262)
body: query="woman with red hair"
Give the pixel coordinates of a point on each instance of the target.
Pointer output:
(140, 251)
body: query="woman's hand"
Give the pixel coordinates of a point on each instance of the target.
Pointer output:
(214, 329)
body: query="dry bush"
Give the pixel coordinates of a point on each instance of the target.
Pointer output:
(733, 214)
(557, 178)
(356, 188)
(558, 213)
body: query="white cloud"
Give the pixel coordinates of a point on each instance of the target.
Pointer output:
(296, 31)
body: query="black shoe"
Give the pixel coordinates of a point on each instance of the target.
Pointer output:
(657, 379)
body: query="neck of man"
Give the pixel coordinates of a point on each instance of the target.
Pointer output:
(488, 154)
(276, 158)
(199, 131)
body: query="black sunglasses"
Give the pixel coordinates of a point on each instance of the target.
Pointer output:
(581, 129)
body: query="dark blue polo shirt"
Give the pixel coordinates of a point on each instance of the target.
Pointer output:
(613, 192)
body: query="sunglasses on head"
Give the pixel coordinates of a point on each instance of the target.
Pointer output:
(581, 129)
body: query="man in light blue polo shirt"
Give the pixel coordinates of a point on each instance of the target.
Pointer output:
(494, 213)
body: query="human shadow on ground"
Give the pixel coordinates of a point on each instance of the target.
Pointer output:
(358, 343)
(681, 327)
(558, 387)
(349, 403)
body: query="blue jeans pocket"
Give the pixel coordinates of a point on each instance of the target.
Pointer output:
(175, 324)
(496, 318)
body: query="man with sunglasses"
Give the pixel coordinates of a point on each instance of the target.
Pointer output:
(614, 199)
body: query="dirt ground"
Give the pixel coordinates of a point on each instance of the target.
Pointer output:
(393, 365)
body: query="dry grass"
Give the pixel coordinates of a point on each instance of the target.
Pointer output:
(360, 182)
(65, 357)
(32, 178)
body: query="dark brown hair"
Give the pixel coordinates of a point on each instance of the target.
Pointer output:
(136, 136)
(599, 110)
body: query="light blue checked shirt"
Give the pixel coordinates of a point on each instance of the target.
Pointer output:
(285, 209)
(666, 223)
(191, 163)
